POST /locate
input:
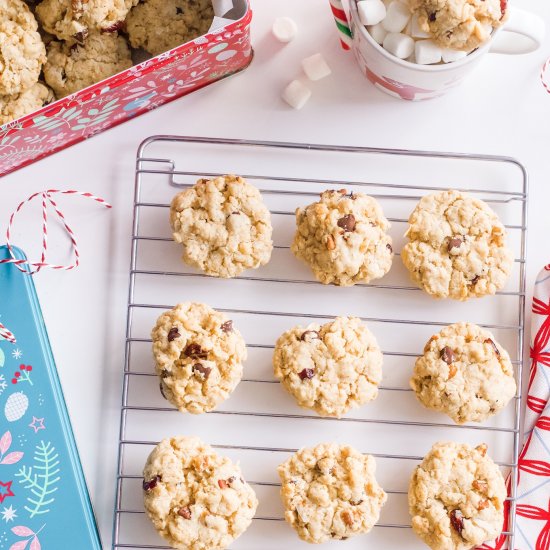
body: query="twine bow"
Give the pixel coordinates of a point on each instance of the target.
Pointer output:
(34, 267)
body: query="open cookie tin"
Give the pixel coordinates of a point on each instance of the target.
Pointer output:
(260, 425)
(141, 88)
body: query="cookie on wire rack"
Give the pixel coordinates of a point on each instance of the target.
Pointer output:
(464, 373)
(457, 247)
(329, 368)
(456, 497)
(224, 226)
(199, 356)
(196, 499)
(343, 238)
(330, 492)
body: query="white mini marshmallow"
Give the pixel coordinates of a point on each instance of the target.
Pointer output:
(449, 56)
(426, 52)
(371, 12)
(397, 17)
(399, 44)
(315, 67)
(378, 33)
(416, 31)
(296, 94)
(284, 29)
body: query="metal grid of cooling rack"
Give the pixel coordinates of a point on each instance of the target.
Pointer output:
(281, 187)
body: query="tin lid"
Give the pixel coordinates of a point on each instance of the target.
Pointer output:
(44, 502)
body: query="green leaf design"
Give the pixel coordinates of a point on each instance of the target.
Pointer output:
(41, 479)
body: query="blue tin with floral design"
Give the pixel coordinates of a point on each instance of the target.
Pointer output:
(44, 502)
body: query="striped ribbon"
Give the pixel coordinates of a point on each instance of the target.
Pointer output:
(543, 75)
(34, 267)
(342, 23)
(7, 334)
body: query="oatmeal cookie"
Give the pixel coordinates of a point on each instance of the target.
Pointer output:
(464, 373)
(71, 67)
(199, 355)
(22, 52)
(456, 497)
(16, 106)
(330, 368)
(459, 24)
(343, 238)
(457, 247)
(330, 492)
(224, 226)
(75, 20)
(160, 25)
(196, 499)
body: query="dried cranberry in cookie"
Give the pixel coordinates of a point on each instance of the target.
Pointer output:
(199, 499)
(330, 368)
(198, 363)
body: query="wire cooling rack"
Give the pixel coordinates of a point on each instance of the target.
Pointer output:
(260, 425)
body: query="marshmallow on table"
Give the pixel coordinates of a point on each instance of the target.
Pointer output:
(397, 17)
(427, 52)
(416, 31)
(399, 44)
(315, 67)
(371, 12)
(296, 94)
(378, 33)
(284, 29)
(448, 56)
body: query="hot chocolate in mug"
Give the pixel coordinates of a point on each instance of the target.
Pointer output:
(411, 81)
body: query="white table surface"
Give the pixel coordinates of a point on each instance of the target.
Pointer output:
(502, 109)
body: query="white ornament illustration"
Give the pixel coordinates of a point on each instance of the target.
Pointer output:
(9, 514)
(17, 353)
(16, 406)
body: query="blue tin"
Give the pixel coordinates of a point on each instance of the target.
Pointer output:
(44, 502)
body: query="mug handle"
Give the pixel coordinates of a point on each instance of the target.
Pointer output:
(523, 32)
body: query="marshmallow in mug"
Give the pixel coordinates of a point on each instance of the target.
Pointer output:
(391, 24)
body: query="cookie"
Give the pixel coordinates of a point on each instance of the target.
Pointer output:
(196, 499)
(160, 25)
(199, 355)
(343, 238)
(71, 67)
(224, 226)
(75, 20)
(457, 247)
(22, 52)
(329, 368)
(459, 24)
(464, 373)
(456, 497)
(13, 107)
(329, 492)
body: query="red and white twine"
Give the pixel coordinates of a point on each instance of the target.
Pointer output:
(543, 75)
(34, 267)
